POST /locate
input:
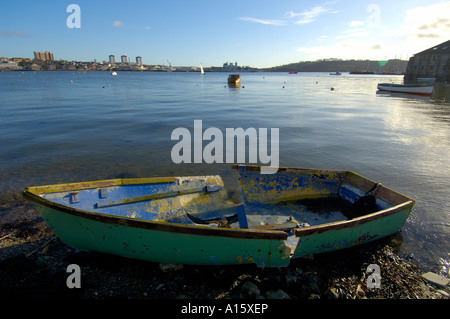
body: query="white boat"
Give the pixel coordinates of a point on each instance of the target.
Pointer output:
(113, 73)
(202, 72)
(418, 89)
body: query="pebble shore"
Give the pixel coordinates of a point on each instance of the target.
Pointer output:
(33, 264)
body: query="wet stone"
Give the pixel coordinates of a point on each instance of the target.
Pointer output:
(291, 280)
(277, 294)
(170, 267)
(314, 286)
(436, 279)
(360, 292)
(249, 290)
(333, 293)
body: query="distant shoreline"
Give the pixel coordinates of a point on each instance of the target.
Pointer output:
(394, 66)
(183, 71)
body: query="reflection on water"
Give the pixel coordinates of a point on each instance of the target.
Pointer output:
(59, 127)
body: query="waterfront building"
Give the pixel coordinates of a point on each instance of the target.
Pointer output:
(112, 59)
(139, 60)
(35, 67)
(232, 67)
(9, 65)
(124, 58)
(43, 56)
(432, 64)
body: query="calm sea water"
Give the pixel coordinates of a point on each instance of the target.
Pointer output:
(58, 127)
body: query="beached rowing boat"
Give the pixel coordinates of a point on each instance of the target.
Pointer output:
(189, 220)
(418, 89)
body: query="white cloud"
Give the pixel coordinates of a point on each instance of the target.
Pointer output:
(305, 17)
(376, 47)
(356, 23)
(19, 34)
(309, 16)
(421, 28)
(118, 24)
(424, 22)
(261, 21)
(429, 22)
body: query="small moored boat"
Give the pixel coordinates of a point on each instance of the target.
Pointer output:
(335, 73)
(234, 79)
(190, 220)
(418, 89)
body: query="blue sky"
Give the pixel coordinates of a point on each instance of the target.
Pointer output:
(255, 33)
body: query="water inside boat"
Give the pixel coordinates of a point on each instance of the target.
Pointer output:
(304, 213)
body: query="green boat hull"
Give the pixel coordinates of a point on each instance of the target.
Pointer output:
(348, 235)
(167, 245)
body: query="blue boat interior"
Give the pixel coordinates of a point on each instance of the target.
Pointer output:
(281, 201)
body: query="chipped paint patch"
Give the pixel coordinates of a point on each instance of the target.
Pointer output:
(288, 186)
(246, 259)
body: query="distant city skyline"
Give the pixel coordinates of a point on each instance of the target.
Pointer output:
(255, 33)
